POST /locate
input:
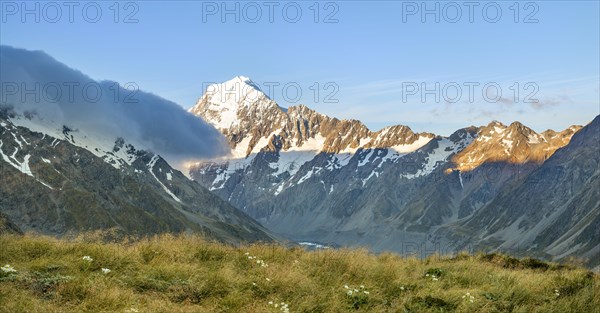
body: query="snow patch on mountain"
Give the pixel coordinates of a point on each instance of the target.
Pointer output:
(364, 160)
(151, 170)
(312, 144)
(438, 156)
(291, 161)
(23, 145)
(373, 173)
(308, 175)
(403, 149)
(23, 166)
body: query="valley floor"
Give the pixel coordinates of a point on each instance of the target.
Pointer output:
(189, 274)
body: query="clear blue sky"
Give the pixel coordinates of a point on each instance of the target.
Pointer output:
(369, 53)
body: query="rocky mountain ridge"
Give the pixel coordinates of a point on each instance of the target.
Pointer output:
(515, 143)
(251, 121)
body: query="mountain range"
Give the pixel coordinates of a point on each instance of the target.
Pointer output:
(319, 179)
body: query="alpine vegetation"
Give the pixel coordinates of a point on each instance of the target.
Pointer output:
(191, 274)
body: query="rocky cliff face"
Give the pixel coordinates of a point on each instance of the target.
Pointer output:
(56, 180)
(316, 178)
(7, 226)
(515, 144)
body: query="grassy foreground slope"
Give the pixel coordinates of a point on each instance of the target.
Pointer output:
(189, 274)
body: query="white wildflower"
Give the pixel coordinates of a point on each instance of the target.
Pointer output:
(87, 258)
(468, 297)
(105, 270)
(352, 291)
(283, 307)
(258, 261)
(8, 269)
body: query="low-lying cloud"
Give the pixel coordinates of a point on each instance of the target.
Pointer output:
(34, 81)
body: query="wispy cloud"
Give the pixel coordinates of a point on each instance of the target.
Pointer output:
(140, 117)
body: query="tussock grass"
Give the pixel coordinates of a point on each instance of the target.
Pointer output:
(190, 274)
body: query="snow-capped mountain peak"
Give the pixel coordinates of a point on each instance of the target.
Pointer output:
(237, 88)
(223, 104)
(252, 121)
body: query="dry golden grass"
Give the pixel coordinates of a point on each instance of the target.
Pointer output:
(188, 274)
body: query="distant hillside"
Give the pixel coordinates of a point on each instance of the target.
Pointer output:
(60, 181)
